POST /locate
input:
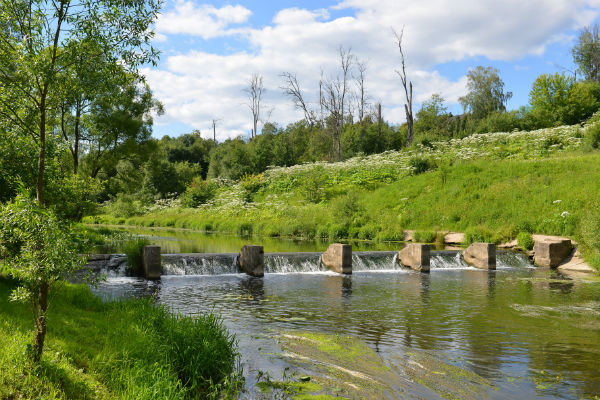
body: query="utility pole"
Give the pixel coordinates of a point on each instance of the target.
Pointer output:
(214, 124)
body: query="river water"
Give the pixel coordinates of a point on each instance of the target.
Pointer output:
(517, 332)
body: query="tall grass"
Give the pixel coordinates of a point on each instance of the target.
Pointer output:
(127, 349)
(134, 249)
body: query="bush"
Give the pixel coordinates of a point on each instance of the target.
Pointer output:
(125, 206)
(525, 240)
(592, 136)
(424, 236)
(338, 231)
(252, 184)
(134, 249)
(199, 192)
(419, 165)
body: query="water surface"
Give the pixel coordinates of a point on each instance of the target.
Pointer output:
(528, 332)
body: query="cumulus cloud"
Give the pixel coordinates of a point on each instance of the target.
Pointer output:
(197, 86)
(203, 20)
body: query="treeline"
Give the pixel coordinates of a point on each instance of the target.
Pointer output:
(99, 146)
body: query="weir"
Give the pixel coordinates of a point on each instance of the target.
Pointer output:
(194, 264)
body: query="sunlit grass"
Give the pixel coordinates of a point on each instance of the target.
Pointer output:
(126, 349)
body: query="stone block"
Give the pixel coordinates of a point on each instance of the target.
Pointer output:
(151, 262)
(481, 255)
(551, 252)
(416, 256)
(338, 258)
(251, 260)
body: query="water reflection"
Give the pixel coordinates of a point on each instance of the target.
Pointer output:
(509, 323)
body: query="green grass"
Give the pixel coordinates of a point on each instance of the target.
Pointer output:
(123, 349)
(490, 186)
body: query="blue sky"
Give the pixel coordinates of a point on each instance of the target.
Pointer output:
(211, 49)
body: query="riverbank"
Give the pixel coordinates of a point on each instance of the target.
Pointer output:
(488, 200)
(86, 355)
(490, 186)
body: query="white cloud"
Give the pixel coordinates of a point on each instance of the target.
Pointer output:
(197, 86)
(203, 20)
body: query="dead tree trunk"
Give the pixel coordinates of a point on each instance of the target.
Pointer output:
(408, 89)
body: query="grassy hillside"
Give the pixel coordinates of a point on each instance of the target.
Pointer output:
(491, 185)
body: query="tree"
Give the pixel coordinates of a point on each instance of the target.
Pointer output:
(118, 125)
(586, 53)
(37, 249)
(485, 92)
(38, 40)
(255, 91)
(333, 96)
(433, 115)
(37, 43)
(292, 89)
(408, 89)
(362, 97)
(558, 99)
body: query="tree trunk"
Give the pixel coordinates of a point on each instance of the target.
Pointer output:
(39, 186)
(40, 322)
(77, 137)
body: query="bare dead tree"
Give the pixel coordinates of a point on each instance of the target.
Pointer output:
(408, 87)
(255, 91)
(293, 90)
(362, 98)
(322, 116)
(333, 94)
(346, 62)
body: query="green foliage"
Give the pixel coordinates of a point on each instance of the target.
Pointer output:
(134, 249)
(433, 117)
(592, 136)
(419, 165)
(252, 184)
(477, 234)
(37, 249)
(586, 53)
(525, 240)
(35, 246)
(127, 349)
(500, 121)
(125, 205)
(424, 236)
(549, 93)
(199, 192)
(485, 92)
(200, 350)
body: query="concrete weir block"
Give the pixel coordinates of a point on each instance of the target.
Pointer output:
(481, 255)
(416, 256)
(151, 262)
(252, 260)
(551, 252)
(338, 258)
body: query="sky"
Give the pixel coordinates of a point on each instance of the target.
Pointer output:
(210, 50)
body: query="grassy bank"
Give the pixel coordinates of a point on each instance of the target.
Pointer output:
(126, 349)
(491, 186)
